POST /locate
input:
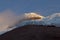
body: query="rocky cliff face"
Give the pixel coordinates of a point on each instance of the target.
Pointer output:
(33, 32)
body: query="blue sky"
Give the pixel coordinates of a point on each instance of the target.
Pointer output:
(44, 7)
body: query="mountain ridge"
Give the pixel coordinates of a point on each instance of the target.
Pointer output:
(32, 32)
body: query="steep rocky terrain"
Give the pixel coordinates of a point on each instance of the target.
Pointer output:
(33, 32)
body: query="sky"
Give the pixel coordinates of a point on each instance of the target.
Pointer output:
(44, 7)
(9, 9)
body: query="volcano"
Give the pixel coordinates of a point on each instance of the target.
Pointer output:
(33, 27)
(33, 32)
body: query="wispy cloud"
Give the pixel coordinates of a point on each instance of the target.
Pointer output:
(7, 18)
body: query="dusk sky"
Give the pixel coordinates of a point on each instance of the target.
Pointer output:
(44, 7)
(12, 12)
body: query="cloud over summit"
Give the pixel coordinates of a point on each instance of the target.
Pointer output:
(9, 19)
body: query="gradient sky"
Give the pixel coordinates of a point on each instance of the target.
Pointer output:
(44, 7)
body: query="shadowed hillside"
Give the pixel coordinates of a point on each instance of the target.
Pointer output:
(33, 32)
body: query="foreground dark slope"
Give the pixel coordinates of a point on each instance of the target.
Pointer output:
(33, 32)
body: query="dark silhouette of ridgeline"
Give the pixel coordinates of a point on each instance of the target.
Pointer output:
(33, 32)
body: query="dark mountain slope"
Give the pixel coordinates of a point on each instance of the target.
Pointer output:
(33, 32)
